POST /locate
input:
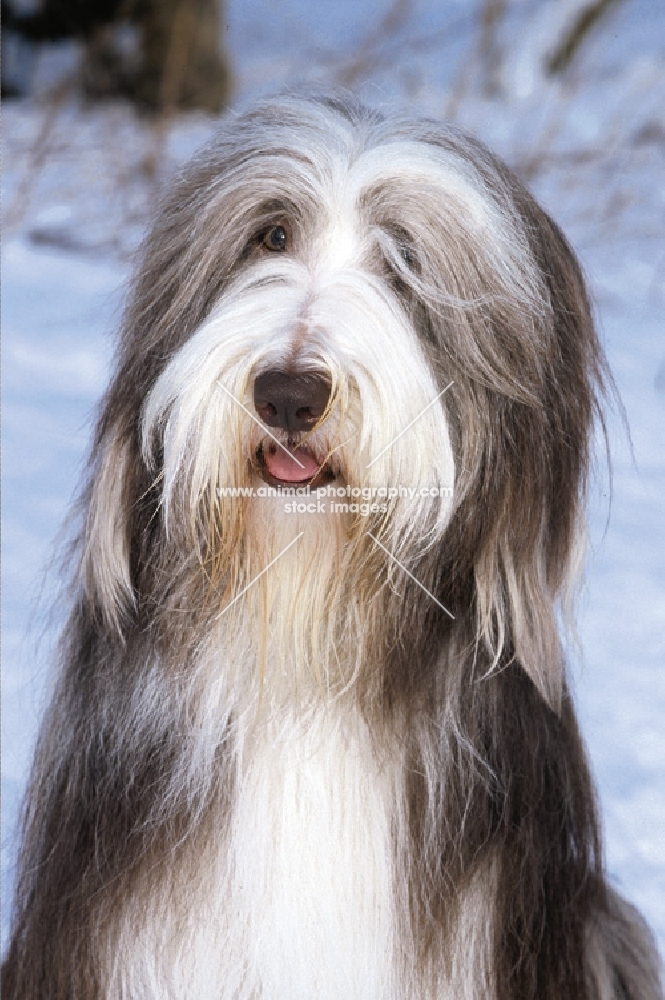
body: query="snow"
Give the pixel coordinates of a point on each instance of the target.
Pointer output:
(621, 688)
(598, 169)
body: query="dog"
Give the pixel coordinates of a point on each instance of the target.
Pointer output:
(312, 735)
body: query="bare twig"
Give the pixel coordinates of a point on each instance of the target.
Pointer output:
(367, 57)
(39, 152)
(570, 43)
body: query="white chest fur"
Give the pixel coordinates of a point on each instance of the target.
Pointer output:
(308, 885)
(297, 900)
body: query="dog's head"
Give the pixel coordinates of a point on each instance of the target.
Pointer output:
(358, 303)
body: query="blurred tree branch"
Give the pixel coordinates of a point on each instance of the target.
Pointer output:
(368, 56)
(572, 39)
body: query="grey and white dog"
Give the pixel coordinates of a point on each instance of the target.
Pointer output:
(323, 746)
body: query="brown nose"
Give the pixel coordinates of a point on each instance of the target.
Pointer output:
(293, 402)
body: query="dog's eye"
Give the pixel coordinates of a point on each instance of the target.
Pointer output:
(276, 239)
(398, 246)
(407, 254)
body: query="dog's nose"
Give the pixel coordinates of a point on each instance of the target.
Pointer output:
(293, 402)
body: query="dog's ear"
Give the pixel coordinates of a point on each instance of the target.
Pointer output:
(536, 462)
(104, 569)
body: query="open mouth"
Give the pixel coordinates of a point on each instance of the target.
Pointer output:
(295, 467)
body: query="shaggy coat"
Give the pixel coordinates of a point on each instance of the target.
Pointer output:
(302, 751)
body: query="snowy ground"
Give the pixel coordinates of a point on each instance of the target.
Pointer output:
(596, 161)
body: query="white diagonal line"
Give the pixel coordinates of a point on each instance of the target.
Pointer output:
(429, 594)
(259, 575)
(260, 423)
(405, 429)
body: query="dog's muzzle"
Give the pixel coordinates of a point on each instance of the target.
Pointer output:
(295, 403)
(292, 402)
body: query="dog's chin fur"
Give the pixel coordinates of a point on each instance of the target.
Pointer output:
(331, 754)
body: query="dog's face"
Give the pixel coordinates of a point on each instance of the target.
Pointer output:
(314, 361)
(336, 300)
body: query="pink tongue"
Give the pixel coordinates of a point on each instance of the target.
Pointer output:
(282, 466)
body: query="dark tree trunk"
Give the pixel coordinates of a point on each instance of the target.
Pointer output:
(183, 66)
(176, 62)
